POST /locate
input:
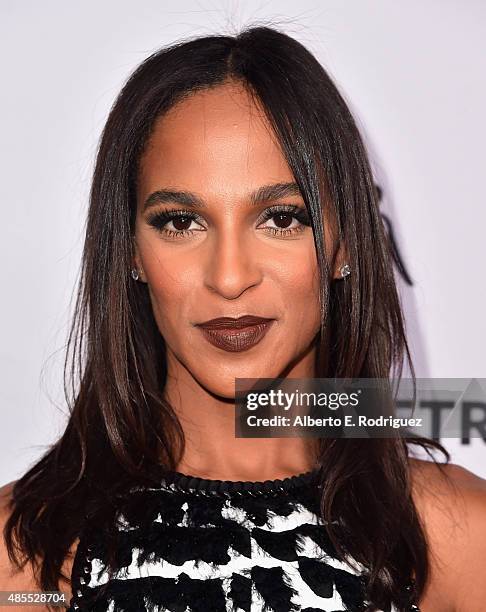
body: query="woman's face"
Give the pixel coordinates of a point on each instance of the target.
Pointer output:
(232, 253)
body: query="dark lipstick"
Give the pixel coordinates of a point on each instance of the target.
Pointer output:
(235, 335)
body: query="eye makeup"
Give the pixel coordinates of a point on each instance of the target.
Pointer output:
(182, 219)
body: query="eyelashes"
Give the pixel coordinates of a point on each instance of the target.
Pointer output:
(182, 220)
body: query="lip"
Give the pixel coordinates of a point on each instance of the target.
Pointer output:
(233, 323)
(235, 335)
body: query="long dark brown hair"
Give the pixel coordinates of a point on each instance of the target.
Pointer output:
(120, 430)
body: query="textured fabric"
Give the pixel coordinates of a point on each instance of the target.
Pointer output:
(195, 545)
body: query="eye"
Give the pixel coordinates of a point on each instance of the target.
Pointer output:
(286, 219)
(181, 221)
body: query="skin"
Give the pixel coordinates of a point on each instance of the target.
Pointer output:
(218, 145)
(452, 511)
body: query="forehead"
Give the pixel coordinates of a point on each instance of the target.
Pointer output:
(216, 141)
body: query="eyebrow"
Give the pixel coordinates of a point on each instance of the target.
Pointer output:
(266, 193)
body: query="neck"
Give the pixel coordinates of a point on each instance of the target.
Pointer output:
(208, 422)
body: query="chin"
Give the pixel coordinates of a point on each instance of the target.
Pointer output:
(222, 380)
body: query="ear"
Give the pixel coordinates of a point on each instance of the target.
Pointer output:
(137, 262)
(341, 257)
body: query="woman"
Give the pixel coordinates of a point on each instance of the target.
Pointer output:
(232, 183)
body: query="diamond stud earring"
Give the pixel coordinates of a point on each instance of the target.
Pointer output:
(345, 270)
(135, 274)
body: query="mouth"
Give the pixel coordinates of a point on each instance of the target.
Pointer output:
(235, 335)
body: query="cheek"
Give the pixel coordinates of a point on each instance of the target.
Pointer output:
(171, 283)
(299, 287)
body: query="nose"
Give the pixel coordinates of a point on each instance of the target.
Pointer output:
(233, 265)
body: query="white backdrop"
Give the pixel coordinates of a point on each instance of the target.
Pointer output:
(414, 75)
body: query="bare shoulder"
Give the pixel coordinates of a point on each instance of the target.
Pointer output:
(11, 577)
(451, 502)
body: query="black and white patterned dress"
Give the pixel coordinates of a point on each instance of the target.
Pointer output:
(200, 545)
